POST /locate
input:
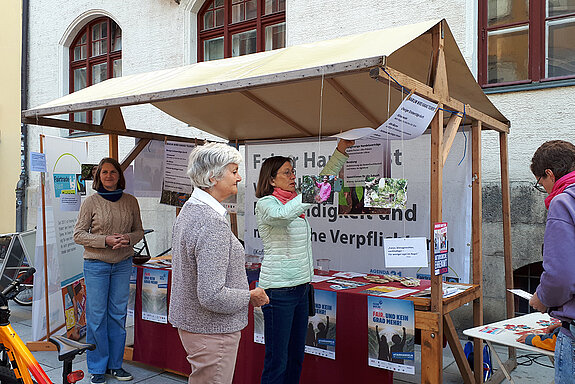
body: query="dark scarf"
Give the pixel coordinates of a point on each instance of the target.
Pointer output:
(110, 195)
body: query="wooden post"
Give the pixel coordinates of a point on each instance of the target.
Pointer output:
(477, 251)
(113, 147)
(44, 345)
(506, 208)
(432, 341)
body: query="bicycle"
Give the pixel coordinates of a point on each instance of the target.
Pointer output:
(23, 294)
(17, 364)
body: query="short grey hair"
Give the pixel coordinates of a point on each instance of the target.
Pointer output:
(210, 161)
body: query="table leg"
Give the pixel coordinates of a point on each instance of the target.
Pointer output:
(499, 362)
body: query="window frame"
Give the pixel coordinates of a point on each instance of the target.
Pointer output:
(89, 62)
(259, 23)
(536, 23)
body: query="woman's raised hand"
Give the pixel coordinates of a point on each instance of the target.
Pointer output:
(343, 145)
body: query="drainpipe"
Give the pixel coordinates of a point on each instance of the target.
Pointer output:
(22, 183)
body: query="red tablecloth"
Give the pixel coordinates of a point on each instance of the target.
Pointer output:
(159, 344)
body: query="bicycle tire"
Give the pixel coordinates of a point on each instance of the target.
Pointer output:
(7, 376)
(24, 296)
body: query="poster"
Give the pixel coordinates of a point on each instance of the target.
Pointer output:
(176, 155)
(74, 301)
(318, 189)
(391, 334)
(320, 337)
(155, 295)
(440, 248)
(339, 236)
(148, 170)
(381, 192)
(409, 121)
(367, 158)
(64, 159)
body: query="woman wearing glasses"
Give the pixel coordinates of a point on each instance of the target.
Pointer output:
(553, 165)
(287, 267)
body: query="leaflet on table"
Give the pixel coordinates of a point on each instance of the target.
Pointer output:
(384, 291)
(349, 275)
(391, 334)
(319, 279)
(155, 295)
(448, 290)
(345, 284)
(320, 337)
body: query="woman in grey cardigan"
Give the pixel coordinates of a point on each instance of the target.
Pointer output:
(210, 293)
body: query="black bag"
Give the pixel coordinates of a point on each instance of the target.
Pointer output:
(311, 301)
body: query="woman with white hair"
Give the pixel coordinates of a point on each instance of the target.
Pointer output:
(210, 293)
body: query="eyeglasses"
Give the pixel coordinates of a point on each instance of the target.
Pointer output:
(538, 186)
(289, 173)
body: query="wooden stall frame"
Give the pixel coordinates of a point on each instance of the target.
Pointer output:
(432, 316)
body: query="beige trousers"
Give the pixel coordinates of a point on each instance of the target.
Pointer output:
(211, 356)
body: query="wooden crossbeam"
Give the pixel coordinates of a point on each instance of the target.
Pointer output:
(427, 92)
(449, 134)
(77, 126)
(134, 153)
(456, 349)
(354, 102)
(275, 112)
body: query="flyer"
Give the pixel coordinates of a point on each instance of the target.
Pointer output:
(155, 295)
(320, 337)
(391, 333)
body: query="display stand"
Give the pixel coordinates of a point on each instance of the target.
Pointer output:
(281, 101)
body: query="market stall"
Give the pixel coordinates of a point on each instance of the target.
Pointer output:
(277, 94)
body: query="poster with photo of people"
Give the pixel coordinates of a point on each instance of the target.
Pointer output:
(391, 334)
(320, 338)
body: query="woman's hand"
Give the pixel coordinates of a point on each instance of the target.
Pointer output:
(258, 297)
(343, 145)
(537, 304)
(117, 241)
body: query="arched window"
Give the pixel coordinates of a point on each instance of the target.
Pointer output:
(228, 28)
(95, 56)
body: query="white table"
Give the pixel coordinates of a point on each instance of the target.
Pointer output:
(506, 337)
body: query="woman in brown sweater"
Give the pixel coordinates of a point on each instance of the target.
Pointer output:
(108, 225)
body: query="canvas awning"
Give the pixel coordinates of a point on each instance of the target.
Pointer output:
(281, 93)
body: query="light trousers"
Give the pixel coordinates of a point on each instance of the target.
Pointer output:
(212, 357)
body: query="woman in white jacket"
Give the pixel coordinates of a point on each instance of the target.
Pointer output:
(287, 267)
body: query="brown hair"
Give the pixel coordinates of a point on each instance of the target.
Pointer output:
(269, 170)
(98, 183)
(556, 155)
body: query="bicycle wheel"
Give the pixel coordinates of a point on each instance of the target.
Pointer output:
(7, 376)
(24, 296)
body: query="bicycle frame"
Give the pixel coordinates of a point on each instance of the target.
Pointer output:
(21, 357)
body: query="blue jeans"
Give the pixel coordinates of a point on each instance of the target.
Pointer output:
(564, 359)
(107, 292)
(285, 322)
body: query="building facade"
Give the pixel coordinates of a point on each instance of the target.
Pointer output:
(534, 92)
